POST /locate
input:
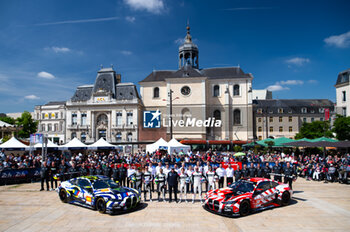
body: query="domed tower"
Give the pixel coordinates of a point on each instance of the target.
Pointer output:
(188, 52)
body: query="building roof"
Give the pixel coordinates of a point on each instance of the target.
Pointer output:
(107, 81)
(292, 105)
(82, 94)
(55, 103)
(343, 77)
(188, 71)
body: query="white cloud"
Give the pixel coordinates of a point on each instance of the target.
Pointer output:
(78, 21)
(276, 87)
(290, 82)
(45, 75)
(126, 52)
(32, 97)
(152, 6)
(58, 49)
(298, 61)
(130, 19)
(339, 41)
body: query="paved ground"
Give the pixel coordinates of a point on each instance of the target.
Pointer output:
(315, 207)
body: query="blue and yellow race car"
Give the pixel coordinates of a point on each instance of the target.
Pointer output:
(100, 193)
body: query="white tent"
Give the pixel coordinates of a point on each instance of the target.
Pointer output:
(74, 144)
(13, 144)
(175, 146)
(101, 144)
(50, 144)
(160, 144)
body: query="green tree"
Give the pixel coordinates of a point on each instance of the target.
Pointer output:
(341, 127)
(29, 126)
(8, 120)
(314, 130)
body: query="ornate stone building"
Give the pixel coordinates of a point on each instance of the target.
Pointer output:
(108, 109)
(192, 92)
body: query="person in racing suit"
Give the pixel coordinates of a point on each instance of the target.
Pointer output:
(131, 175)
(73, 172)
(123, 172)
(220, 171)
(259, 171)
(62, 170)
(211, 176)
(107, 171)
(161, 185)
(267, 171)
(289, 174)
(252, 170)
(229, 175)
(138, 182)
(238, 174)
(277, 170)
(83, 170)
(197, 183)
(115, 174)
(183, 180)
(245, 171)
(44, 174)
(147, 181)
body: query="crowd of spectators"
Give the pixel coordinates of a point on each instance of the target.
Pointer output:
(312, 167)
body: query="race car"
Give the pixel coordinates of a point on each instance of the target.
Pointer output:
(247, 195)
(100, 193)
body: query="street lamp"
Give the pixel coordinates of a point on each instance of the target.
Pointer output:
(170, 95)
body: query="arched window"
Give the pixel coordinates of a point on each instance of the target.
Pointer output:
(129, 138)
(102, 119)
(73, 135)
(236, 117)
(217, 115)
(259, 129)
(236, 90)
(216, 91)
(83, 137)
(118, 136)
(156, 92)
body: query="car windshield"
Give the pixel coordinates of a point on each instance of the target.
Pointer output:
(101, 184)
(242, 186)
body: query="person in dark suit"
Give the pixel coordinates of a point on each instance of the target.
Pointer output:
(173, 180)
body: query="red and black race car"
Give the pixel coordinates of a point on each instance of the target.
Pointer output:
(246, 195)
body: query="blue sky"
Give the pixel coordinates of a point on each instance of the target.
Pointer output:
(48, 48)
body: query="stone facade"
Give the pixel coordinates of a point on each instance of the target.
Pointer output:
(220, 93)
(284, 117)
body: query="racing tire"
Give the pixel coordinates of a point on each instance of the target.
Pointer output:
(63, 195)
(285, 198)
(101, 205)
(244, 208)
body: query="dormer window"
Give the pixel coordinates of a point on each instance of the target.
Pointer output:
(280, 110)
(260, 111)
(304, 110)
